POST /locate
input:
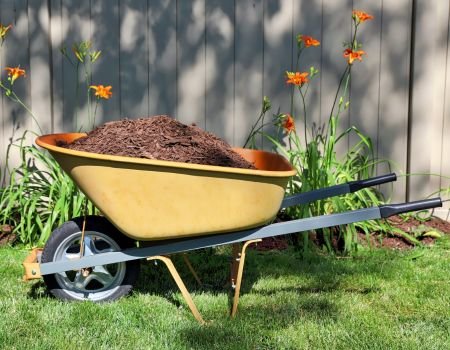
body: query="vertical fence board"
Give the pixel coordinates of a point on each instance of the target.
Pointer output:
(365, 81)
(428, 96)
(394, 89)
(40, 77)
(437, 121)
(162, 45)
(219, 68)
(308, 21)
(191, 62)
(248, 93)
(105, 19)
(6, 18)
(15, 118)
(278, 50)
(336, 28)
(133, 59)
(57, 36)
(76, 25)
(445, 147)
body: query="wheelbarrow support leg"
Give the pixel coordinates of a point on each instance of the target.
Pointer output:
(237, 271)
(191, 269)
(187, 297)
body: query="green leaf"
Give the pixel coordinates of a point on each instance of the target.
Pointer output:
(433, 234)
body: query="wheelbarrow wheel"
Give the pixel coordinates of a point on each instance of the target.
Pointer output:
(96, 283)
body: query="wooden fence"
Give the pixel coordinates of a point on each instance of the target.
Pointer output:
(212, 61)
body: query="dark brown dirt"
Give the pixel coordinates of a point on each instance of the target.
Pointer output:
(272, 243)
(160, 137)
(409, 225)
(376, 240)
(6, 235)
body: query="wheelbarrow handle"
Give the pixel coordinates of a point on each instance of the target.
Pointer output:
(337, 190)
(394, 209)
(378, 180)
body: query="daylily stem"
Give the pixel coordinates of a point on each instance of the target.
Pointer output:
(13, 97)
(253, 131)
(95, 112)
(346, 72)
(303, 95)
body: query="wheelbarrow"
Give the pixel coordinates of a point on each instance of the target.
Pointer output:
(151, 209)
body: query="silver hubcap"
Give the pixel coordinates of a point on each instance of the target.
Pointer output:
(94, 283)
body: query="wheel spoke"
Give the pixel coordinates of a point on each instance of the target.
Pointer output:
(104, 278)
(102, 275)
(80, 282)
(65, 278)
(89, 246)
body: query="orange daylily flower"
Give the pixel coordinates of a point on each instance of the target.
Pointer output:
(351, 55)
(102, 91)
(4, 30)
(361, 16)
(296, 78)
(308, 40)
(14, 73)
(288, 123)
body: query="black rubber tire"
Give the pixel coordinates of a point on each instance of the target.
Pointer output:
(96, 224)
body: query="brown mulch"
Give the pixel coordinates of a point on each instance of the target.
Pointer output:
(6, 235)
(410, 225)
(160, 137)
(377, 240)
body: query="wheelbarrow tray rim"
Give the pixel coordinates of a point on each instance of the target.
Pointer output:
(49, 142)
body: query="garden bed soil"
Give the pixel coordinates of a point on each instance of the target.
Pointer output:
(6, 235)
(162, 138)
(376, 240)
(410, 225)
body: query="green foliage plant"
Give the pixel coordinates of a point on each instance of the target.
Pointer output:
(314, 153)
(37, 196)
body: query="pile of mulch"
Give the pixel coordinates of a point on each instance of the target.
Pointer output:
(162, 138)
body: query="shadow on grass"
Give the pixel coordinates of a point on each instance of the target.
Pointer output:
(38, 290)
(255, 325)
(318, 289)
(319, 275)
(322, 274)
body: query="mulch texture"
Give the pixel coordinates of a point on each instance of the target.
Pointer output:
(392, 241)
(162, 138)
(6, 235)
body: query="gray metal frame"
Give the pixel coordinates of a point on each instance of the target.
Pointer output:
(183, 245)
(276, 229)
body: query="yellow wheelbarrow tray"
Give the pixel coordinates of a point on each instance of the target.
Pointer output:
(172, 207)
(153, 200)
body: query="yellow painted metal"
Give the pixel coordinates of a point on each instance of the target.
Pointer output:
(187, 297)
(151, 199)
(237, 271)
(31, 265)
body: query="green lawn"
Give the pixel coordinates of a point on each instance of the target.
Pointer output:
(376, 300)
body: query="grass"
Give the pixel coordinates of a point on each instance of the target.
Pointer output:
(375, 300)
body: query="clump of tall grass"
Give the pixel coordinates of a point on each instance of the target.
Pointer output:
(314, 153)
(37, 196)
